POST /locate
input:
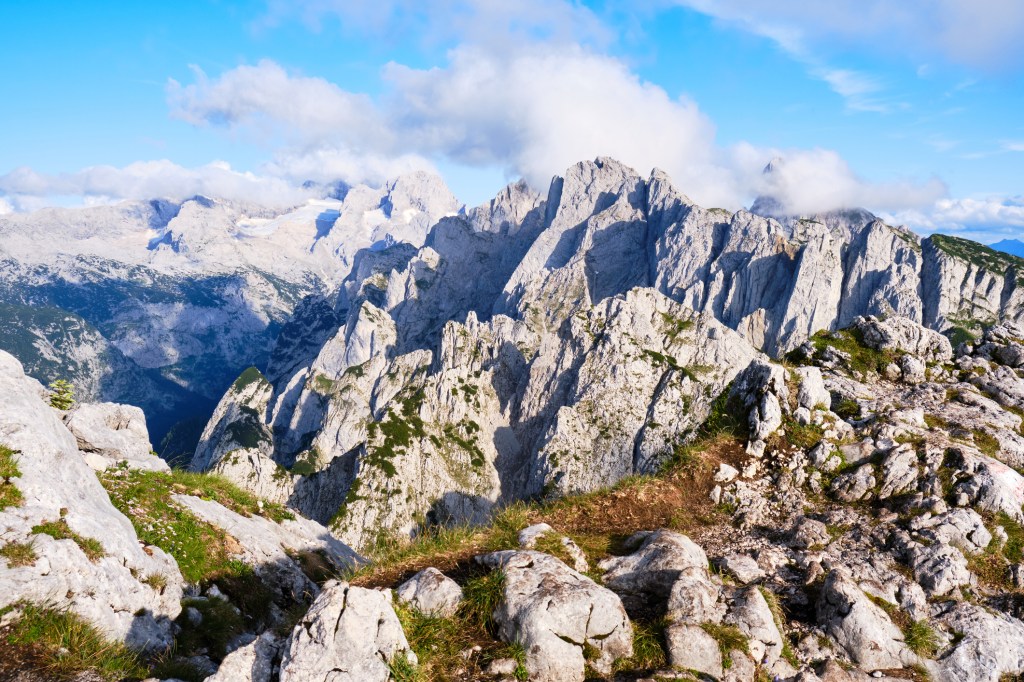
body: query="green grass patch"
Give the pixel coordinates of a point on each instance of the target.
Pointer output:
(803, 436)
(59, 530)
(977, 254)
(220, 624)
(847, 408)
(173, 667)
(787, 653)
(439, 642)
(62, 644)
(247, 378)
(648, 646)
(895, 613)
(201, 549)
(921, 638)
(19, 554)
(862, 361)
(729, 638)
(985, 442)
(10, 496)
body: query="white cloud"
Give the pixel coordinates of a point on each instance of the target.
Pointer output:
(542, 110)
(985, 219)
(860, 90)
(975, 33)
(1013, 145)
(5, 206)
(150, 179)
(533, 112)
(266, 93)
(810, 181)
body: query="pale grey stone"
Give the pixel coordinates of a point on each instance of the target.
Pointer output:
(431, 592)
(554, 612)
(350, 634)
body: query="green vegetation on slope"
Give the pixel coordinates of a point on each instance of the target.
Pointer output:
(978, 254)
(201, 550)
(60, 644)
(10, 496)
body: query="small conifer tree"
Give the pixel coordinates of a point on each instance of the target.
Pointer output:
(62, 394)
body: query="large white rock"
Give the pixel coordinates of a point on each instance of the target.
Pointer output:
(350, 634)
(56, 483)
(862, 628)
(110, 434)
(557, 614)
(431, 592)
(655, 566)
(267, 546)
(991, 647)
(253, 662)
(902, 334)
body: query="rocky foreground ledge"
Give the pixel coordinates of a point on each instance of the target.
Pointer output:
(855, 513)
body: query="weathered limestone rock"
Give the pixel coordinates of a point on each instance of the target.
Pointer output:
(991, 648)
(431, 592)
(863, 629)
(110, 434)
(743, 567)
(940, 568)
(267, 546)
(254, 662)
(750, 612)
(556, 613)
(655, 566)
(812, 393)
(57, 486)
(350, 634)
(528, 540)
(807, 533)
(902, 334)
(238, 422)
(691, 648)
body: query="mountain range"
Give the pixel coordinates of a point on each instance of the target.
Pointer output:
(601, 433)
(162, 304)
(533, 345)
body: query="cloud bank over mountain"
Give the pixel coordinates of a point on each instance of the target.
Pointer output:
(531, 89)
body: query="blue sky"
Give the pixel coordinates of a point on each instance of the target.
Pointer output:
(914, 113)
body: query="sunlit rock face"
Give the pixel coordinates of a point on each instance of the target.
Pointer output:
(543, 345)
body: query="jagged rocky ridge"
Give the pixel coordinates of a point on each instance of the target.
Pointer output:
(161, 304)
(868, 524)
(540, 346)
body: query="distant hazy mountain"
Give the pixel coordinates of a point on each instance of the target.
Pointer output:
(1014, 247)
(162, 304)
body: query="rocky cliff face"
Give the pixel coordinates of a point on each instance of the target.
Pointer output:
(544, 346)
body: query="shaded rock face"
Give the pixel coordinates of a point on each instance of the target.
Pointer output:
(542, 346)
(109, 589)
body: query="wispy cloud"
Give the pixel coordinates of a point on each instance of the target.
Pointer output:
(975, 33)
(1013, 145)
(859, 90)
(145, 180)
